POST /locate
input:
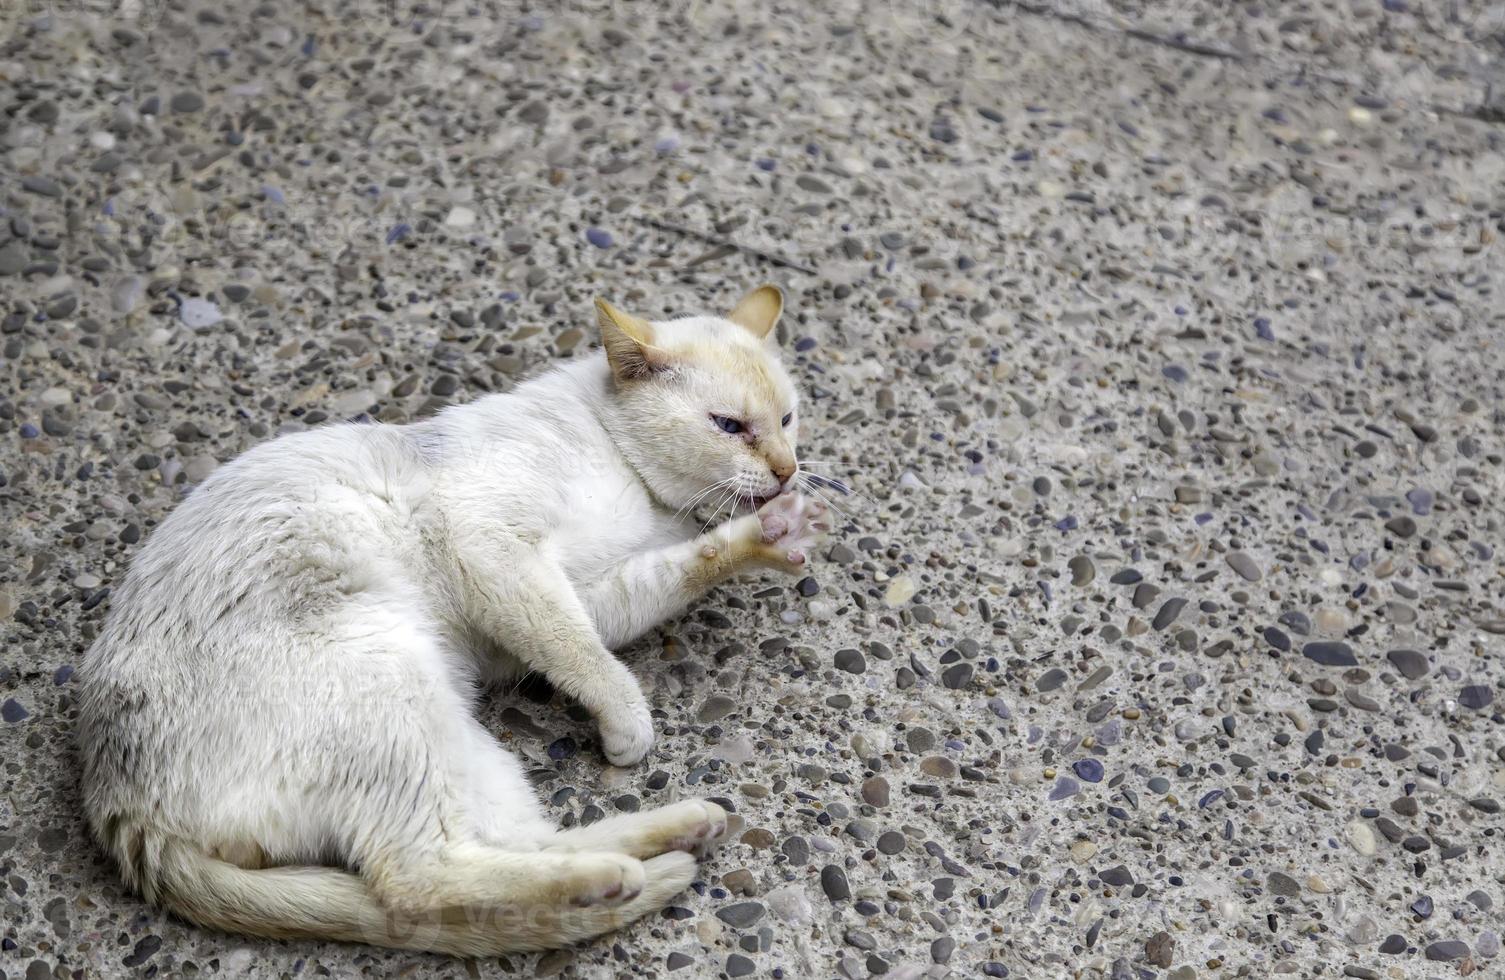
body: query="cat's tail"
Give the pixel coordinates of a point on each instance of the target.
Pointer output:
(327, 903)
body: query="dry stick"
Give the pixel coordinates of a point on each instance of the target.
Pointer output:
(1485, 111)
(773, 257)
(1184, 44)
(1188, 45)
(714, 255)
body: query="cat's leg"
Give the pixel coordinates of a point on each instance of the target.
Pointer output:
(690, 825)
(648, 589)
(443, 824)
(527, 605)
(452, 886)
(477, 901)
(471, 873)
(501, 805)
(359, 751)
(475, 850)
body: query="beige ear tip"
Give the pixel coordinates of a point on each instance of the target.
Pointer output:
(772, 292)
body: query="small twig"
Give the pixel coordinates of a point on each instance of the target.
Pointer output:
(714, 255)
(1182, 44)
(1482, 113)
(773, 257)
(1138, 33)
(1485, 112)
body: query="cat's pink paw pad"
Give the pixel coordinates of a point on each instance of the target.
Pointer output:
(698, 825)
(793, 526)
(607, 879)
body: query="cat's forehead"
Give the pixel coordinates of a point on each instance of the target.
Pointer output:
(734, 357)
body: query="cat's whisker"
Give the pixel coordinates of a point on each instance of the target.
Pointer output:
(730, 495)
(816, 483)
(844, 517)
(820, 481)
(728, 503)
(854, 492)
(837, 464)
(715, 488)
(522, 679)
(813, 488)
(841, 486)
(835, 509)
(689, 506)
(699, 497)
(831, 483)
(711, 519)
(802, 463)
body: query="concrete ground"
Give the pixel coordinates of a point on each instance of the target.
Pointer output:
(1160, 344)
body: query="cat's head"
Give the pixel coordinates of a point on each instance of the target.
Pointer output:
(703, 408)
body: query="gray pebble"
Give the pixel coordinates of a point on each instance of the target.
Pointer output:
(1297, 622)
(1282, 884)
(957, 676)
(1330, 654)
(1476, 697)
(13, 258)
(1169, 611)
(741, 915)
(716, 707)
(185, 102)
(1244, 565)
(1401, 527)
(1448, 949)
(1411, 664)
(1050, 680)
(851, 661)
(1118, 876)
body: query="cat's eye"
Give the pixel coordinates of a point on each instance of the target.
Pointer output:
(786, 420)
(727, 424)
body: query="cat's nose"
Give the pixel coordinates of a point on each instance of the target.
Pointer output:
(782, 471)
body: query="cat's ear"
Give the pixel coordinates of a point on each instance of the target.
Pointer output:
(758, 312)
(628, 341)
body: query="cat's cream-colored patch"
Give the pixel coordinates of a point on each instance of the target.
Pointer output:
(628, 341)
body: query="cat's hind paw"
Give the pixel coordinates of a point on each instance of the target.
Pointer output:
(697, 826)
(793, 526)
(692, 826)
(605, 879)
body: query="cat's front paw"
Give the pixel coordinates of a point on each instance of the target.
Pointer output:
(793, 526)
(626, 734)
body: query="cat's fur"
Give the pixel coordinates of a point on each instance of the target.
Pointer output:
(276, 720)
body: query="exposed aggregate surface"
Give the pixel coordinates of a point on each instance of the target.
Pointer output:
(1159, 345)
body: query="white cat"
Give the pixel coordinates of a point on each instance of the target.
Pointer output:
(276, 719)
